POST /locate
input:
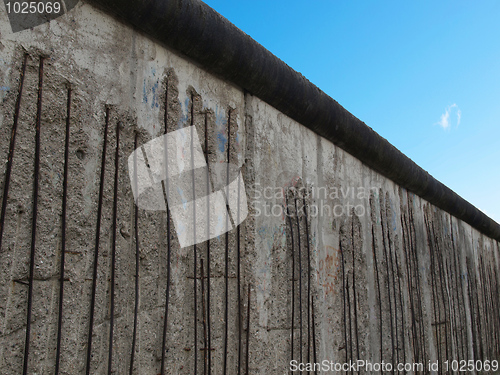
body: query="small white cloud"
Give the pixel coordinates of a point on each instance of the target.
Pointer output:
(445, 117)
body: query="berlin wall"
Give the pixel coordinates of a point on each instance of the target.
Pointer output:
(345, 249)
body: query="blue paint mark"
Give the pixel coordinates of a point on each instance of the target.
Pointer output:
(4, 88)
(220, 117)
(183, 120)
(144, 93)
(154, 102)
(221, 141)
(183, 198)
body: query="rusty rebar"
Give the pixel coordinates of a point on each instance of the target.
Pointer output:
(308, 282)
(374, 250)
(388, 280)
(313, 333)
(354, 289)
(226, 260)
(293, 277)
(113, 250)
(209, 348)
(206, 349)
(195, 255)
(12, 145)
(247, 351)
(96, 248)
(36, 175)
(166, 191)
(300, 281)
(63, 232)
(137, 263)
(344, 296)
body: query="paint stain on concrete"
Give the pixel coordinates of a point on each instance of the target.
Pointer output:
(221, 142)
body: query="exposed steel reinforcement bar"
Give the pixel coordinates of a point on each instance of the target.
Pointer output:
(196, 30)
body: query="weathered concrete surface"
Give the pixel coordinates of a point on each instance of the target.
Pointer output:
(391, 277)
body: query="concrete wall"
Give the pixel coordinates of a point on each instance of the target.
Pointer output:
(374, 272)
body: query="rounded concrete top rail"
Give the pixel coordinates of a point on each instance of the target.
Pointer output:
(199, 32)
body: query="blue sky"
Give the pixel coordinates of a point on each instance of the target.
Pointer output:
(425, 75)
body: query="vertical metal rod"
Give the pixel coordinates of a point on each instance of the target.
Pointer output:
(462, 304)
(484, 302)
(293, 276)
(350, 320)
(313, 333)
(344, 296)
(453, 272)
(409, 279)
(96, 248)
(12, 145)
(480, 335)
(300, 280)
(247, 351)
(489, 306)
(401, 307)
(226, 306)
(419, 299)
(166, 192)
(137, 262)
(209, 347)
(435, 299)
(354, 290)
(36, 174)
(63, 233)
(388, 280)
(494, 305)
(439, 257)
(389, 242)
(463, 349)
(378, 290)
(308, 283)
(206, 349)
(113, 250)
(475, 352)
(453, 314)
(238, 262)
(195, 255)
